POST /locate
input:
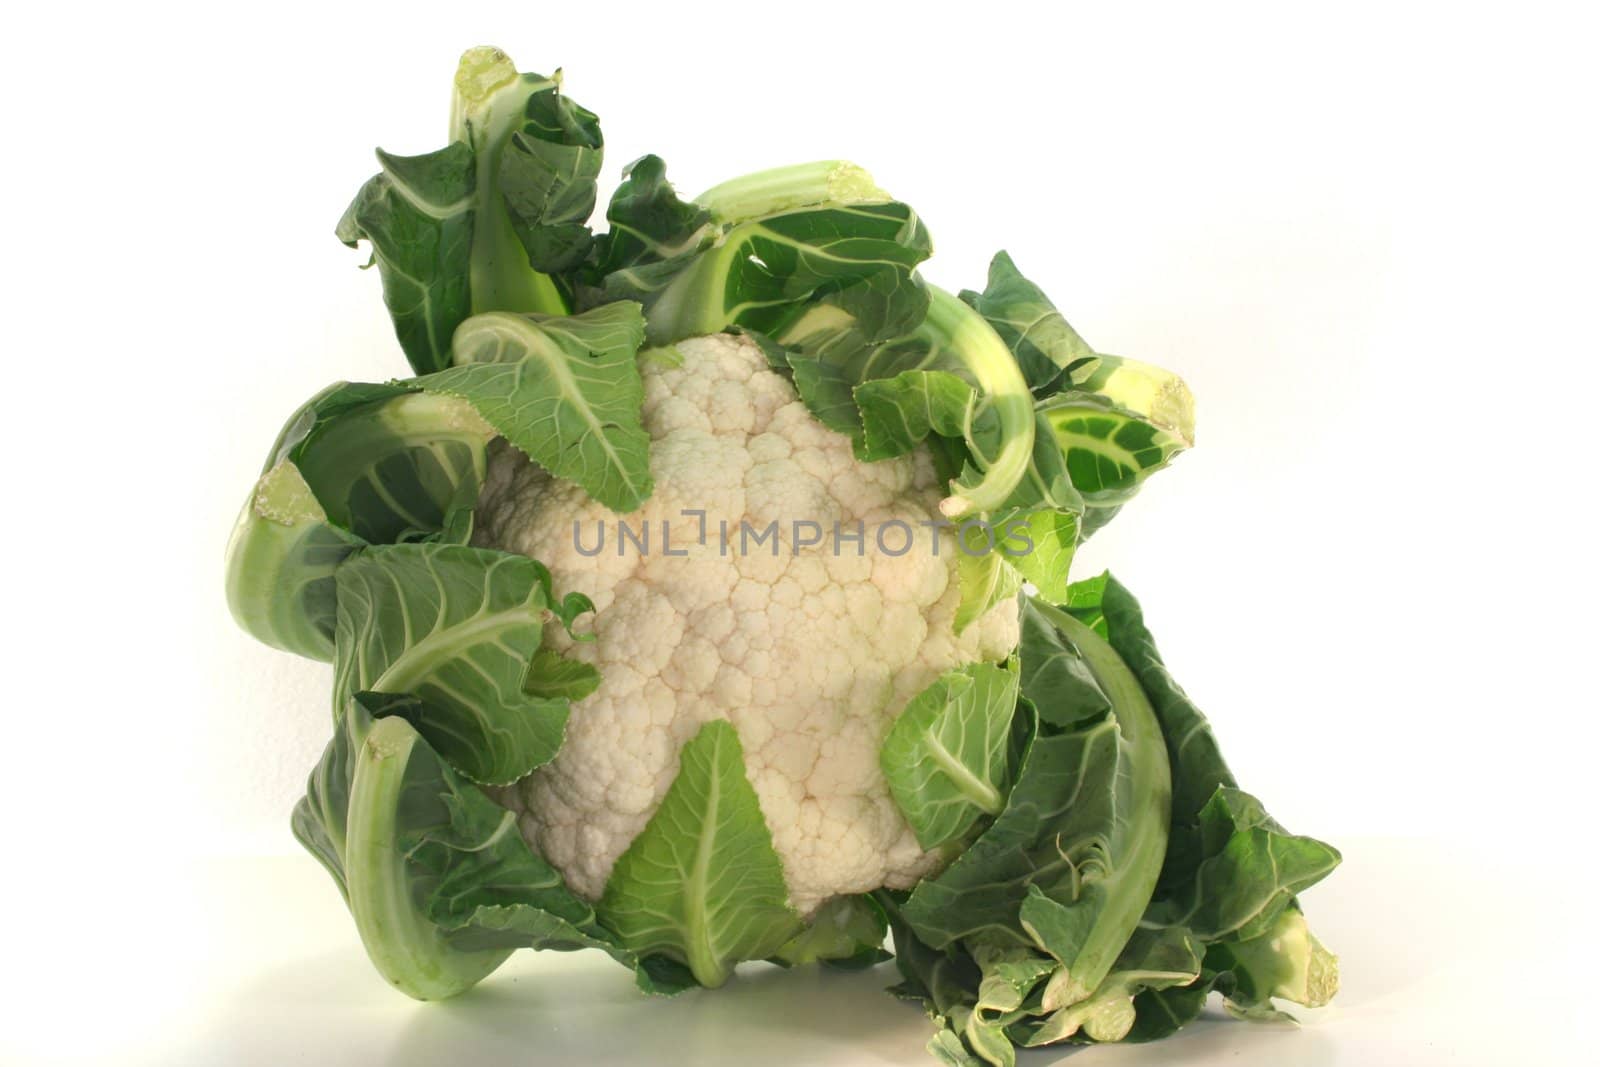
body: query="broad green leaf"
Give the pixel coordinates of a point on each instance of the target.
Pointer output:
(648, 222)
(392, 469)
(1055, 676)
(759, 271)
(1160, 1013)
(1198, 769)
(495, 221)
(1085, 825)
(418, 215)
(1044, 344)
(985, 578)
(898, 413)
(552, 675)
(1040, 545)
(537, 155)
(441, 885)
(944, 980)
(1153, 959)
(702, 884)
(843, 339)
(1286, 960)
(1252, 871)
(565, 391)
(454, 629)
(947, 1049)
(548, 168)
(846, 932)
(945, 756)
(1046, 484)
(356, 464)
(1156, 395)
(1064, 789)
(280, 563)
(1009, 976)
(1109, 450)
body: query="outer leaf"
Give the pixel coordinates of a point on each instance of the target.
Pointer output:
(1044, 544)
(393, 468)
(1252, 871)
(355, 464)
(1154, 958)
(702, 884)
(759, 271)
(281, 559)
(1198, 769)
(898, 413)
(945, 756)
(985, 577)
(455, 628)
(418, 215)
(566, 391)
(648, 223)
(441, 885)
(537, 157)
(1043, 342)
(1148, 391)
(548, 169)
(847, 932)
(1085, 825)
(1055, 676)
(1109, 450)
(1064, 788)
(837, 343)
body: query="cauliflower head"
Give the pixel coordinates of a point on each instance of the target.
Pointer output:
(808, 652)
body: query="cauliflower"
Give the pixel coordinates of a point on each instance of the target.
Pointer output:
(810, 653)
(651, 632)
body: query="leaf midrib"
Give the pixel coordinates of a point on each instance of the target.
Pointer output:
(443, 645)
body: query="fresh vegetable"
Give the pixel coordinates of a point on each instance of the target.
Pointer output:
(703, 597)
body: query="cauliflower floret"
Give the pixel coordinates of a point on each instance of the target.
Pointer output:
(809, 655)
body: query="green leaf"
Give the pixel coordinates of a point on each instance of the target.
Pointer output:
(548, 169)
(394, 468)
(984, 574)
(648, 223)
(837, 342)
(1055, 676)
(453, 629)
(1285, 960)
(441, 885)
(702, 884)
(355, 464)
(1252, 870)
(898, 413)
(1044, 344)
(1039, 546)
(1109, 450)
(1198, 769)
(1085, 826)
(495, 221)
(537, 155)
(565, 391)
(418, 215)
(280, 563)
(1147, 391)
(847, 932)
(552, 676)
(945, 756)
(1153, 959)
(758, 270)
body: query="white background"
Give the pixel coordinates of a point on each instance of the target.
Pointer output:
(1366, 236)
